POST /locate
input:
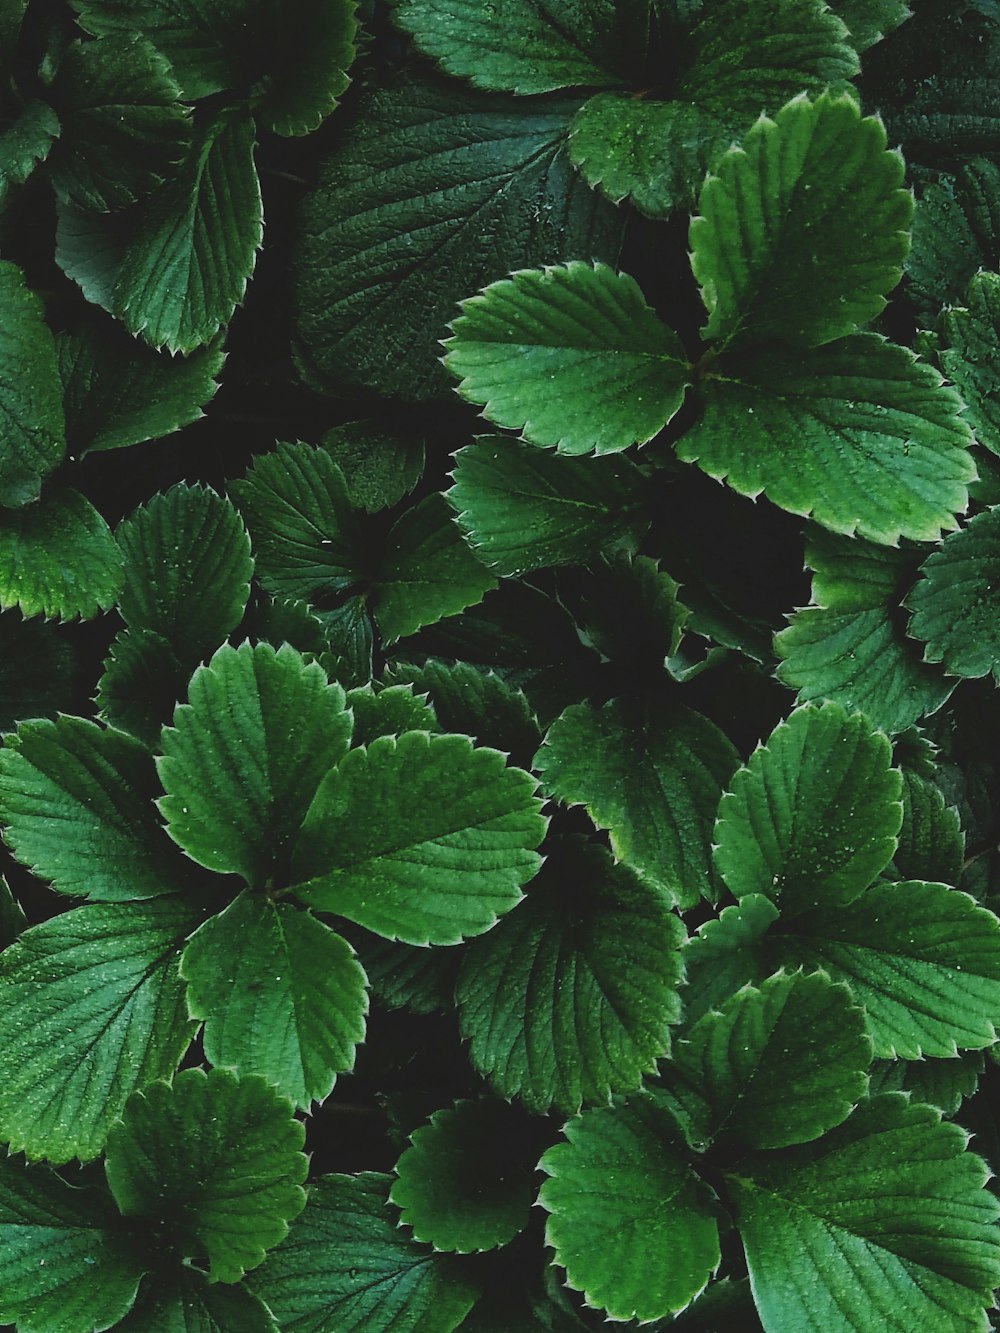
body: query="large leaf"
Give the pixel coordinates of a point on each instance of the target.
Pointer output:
(280, 993)
(91, 1008)
(523, 509)
(422, 838)
(32, 440)
(349, 1268)
(65, 1267)
(858, 435)
(972, 360)
(955, 604)
(194, 243)
(570, 355)
(216, 1161)
(433, 193)
(651, 772)
(245, 756)
(630, 1222)
(183, 1300)
(572, 996)
(124, 128)
(814, 816)
(803, 229)
(77, 802)
(883, 1223)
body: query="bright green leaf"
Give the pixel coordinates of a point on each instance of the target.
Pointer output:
(972, 358)
(32, 439)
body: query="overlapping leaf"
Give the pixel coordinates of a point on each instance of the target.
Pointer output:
(32, 439)
(955, 231)
(931, 842)
(26, 142)
(37, 670)
(58, 558)
(380, 466)
(476, 703)
(183, 1299)
(389, 712)
(971, 358)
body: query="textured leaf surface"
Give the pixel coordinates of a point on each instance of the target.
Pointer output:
(142, 682)
(32, 440)
(476, 703)
(245, 756)
(651, 773)
(421, 838)
(432, 193)
(183, 1300)
(281, 996)
(630, 1222)
(868, 21)
(124, 127)
(570, 355)
(64, 1266)
(572, 996)
(26, 142)
(729, 952)
(349, 1268)
(390, 712)
(194, 246)
(923, 960)
(972, 359)
(380, 466)
(931, 841)
(58, 558)
(216, 1159)
(802, 230)
(955, 604)
(955, 233)
(77, 802)
(815, 814)
(91, 1007)
(523, 509)
(859, 435)
(455, 1185)
(882, 1223)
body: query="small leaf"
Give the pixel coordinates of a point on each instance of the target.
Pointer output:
(522, 509)
(572, 996)
(245, 756)
(456, 1184)
(91, 1007)
(572, 356)
(124, 127)
(630, 1222)
(427, 571)
(941, 1083)
(883, 1221)
(420, 838)
(26, 142)
(814, 816)
(931, 842)
(65, 1267)
(32, 430)
(351, 1268)
(183, 1300)
(728, 952)
(215, 1160)
(90, 248)
(628, 609)
(476, 703)
(12, 918)
(651, 772)
(380, 467)
(858, 435)
(280, 994)
(955, 230)
(406, 975)
(390, 712)
(868, 21)
(37, 670)
(971, 359)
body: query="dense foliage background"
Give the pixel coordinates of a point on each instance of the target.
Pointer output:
(427, 792)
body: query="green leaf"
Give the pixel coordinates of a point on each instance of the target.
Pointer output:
(12, 918)
(393, 235)
(528, 47)
(628, 609)
(476, 703)
(778, 1065)
(183, 1300)
(124, 129)
(187, 569)
(118, 392)
(37, 670)
(571, 997)
(923, 960)
(884, 1222)
(651, 772)
(955, 603)
(931, 842)
(58, 558)
(941, 1083)
(195, 240)
(954, 230)
(350, 642)
(77, 802)
(630, 1222)
(32, 439)
(380, 467)
(522, 509)
(814, 816)
(26, 142)
(727, 953)
(280, 994)
(851, 646)
(868, 21)
(348, 1268)
(427, 571)
(802, 230)
(858, 435)
(459, 1185)
(142, 682)
(214, 1159)
(971, 359)
(91, 1008)
(390, 712)
(65, 1267)
(572, 356)
(245, 756)
(90, 248)
(420, 838)
(306, 536)
(406, 975)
